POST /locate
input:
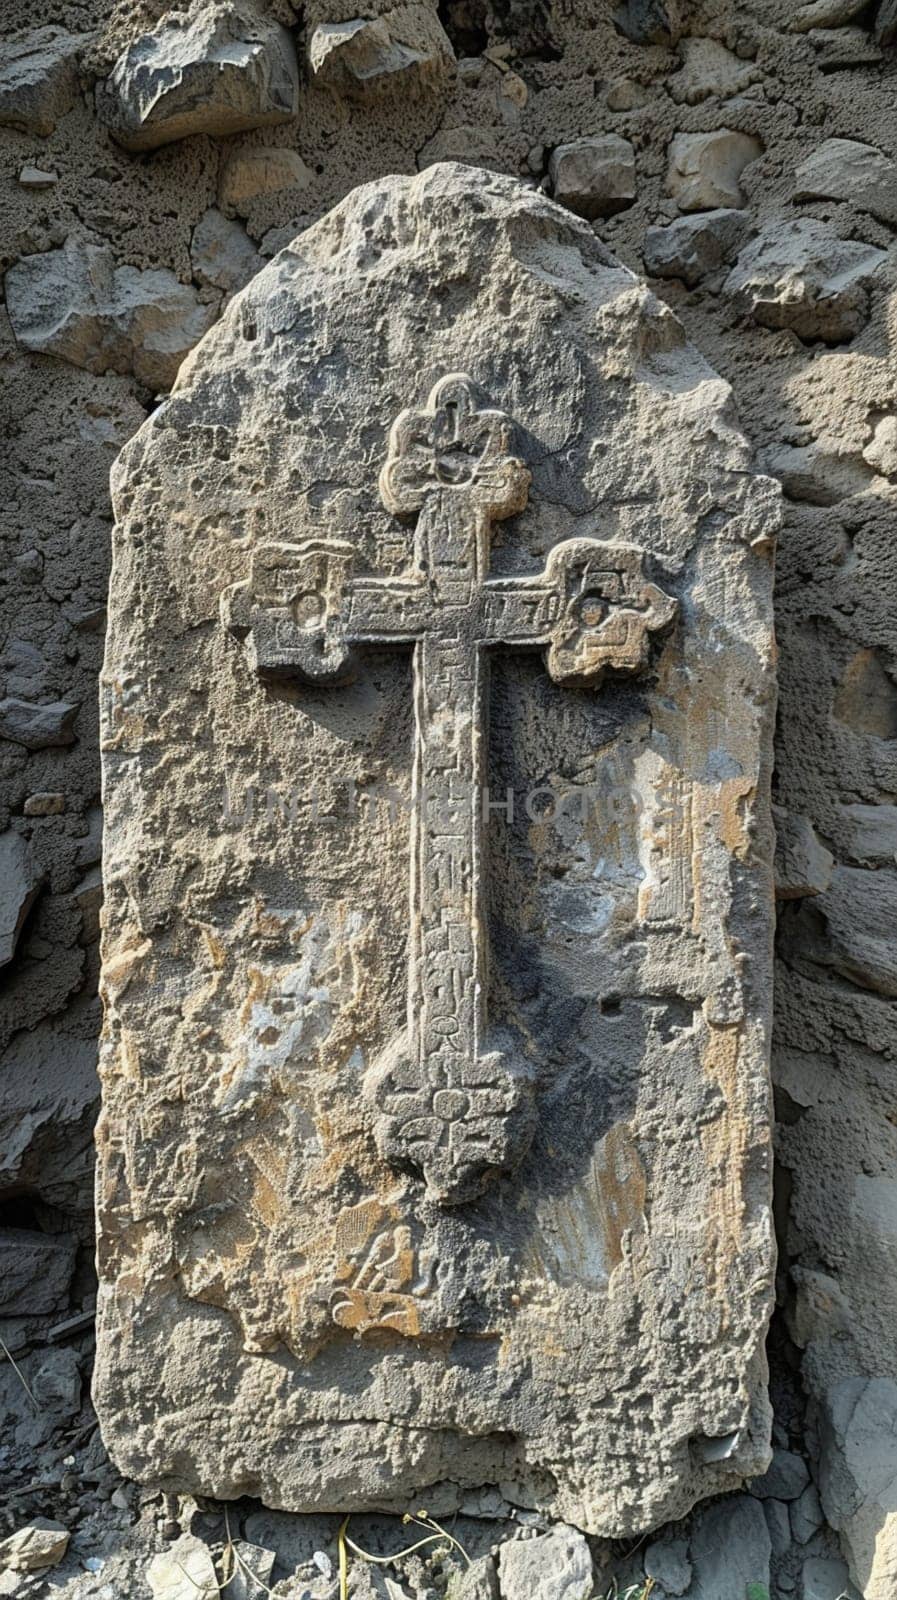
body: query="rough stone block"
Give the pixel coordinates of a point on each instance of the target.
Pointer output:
(553, 1566)
(404, 51)
(399, 1165)
(692, 247)
(845, 169)
(219, 68)
(76, 303)
(35, 1272)
(37, 727)
(38, 78)
(801, 275)
(705, 168)
(21, 880)
(594, 177)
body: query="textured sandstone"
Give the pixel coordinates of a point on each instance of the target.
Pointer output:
(219, 68)
(339, 1273)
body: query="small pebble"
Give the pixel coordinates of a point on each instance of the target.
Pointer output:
(36, 178)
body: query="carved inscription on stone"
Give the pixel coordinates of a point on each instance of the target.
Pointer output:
(453, 1098)
(435, 1144)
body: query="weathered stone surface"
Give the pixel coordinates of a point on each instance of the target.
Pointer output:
(35, 1272)
(881, 451)
(784, 1479)
(247, 174)
(222, 253)
(186, 1571)
(858, 1478)
(479, 1581)
(858, 912)
(405, 50)
(554, 1566)
(825, 14)
(803, 866)
(845, 169)
(648, 21)
(872, 833)
(666, 1561)
(886, 23)
(821, 473)
(44, 805)
(41, 1544)
(705, 168)
(367, 1168)
(36, 726)
(21, 880)
(709, 69)
(806, 1515)
(730, 1551)
(692, 247)
(76, 303)
(38, 78)
(594, 177)
(48, 1103)
(826, 1578)
(800, 275)
(222, 67)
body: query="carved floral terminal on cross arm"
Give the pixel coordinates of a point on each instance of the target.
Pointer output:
(451, 1097)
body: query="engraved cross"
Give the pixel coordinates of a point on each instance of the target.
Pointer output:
(451, 1097)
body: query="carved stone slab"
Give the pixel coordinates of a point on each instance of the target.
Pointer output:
(437, 708)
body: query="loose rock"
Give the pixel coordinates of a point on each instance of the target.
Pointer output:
(594, 177)
(404, 50)
(44, 805)
(35, 1270)
(785, 1478)
(75, 303)
(36, 1547)
(827, 1578)
(250, 173)
(730, 1549)
(36, 178)
(36, 727)
(860, 913)
(553, 1566)
(844, 169)
(872, 833)
(821, 473)
(648, 21)
(666, 1561)
(219, 69)
(709, 70)
(21, 882)
(39, 78)
(692, 247)
(806, 1515)
(185, 1571)
(881, 451)
(803, 866)
(801, 275)
(222, 253)
(825, 14)
(704, 168)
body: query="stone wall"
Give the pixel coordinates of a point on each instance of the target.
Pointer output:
(744, 158)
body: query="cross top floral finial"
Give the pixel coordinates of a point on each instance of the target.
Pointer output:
(452, 445)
